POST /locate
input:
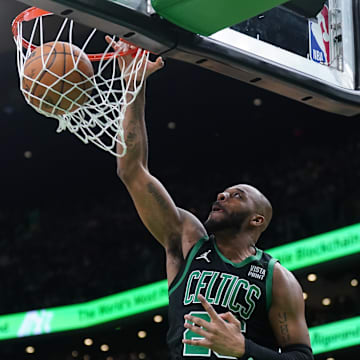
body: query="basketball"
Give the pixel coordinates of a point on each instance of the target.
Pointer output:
(57, 78)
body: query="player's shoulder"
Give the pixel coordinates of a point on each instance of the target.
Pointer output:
(192, 227)
(285, 284)
(283, 275)
(192, 231)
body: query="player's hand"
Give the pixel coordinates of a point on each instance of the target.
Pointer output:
(124, 61)
(222, 335)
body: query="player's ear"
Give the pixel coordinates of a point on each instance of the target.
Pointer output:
(257, 220)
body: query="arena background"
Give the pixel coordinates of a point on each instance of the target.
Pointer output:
(69, 232)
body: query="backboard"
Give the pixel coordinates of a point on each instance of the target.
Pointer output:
(312, 60)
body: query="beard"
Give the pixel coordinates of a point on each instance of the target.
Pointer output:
(228, 222)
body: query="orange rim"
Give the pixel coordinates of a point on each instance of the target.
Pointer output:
(34, 12)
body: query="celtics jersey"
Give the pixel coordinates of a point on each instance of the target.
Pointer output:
(243, 288)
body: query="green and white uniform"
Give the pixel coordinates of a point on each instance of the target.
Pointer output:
(243, 288)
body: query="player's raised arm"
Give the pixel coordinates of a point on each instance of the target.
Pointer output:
(174, 228)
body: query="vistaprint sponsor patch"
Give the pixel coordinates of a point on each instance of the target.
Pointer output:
(257, 272)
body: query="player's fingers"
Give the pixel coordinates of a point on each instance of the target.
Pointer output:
(110, 41)
(115, 45)
(196, 329)
(118, 46)
(197, 342)
(198, 321)
(209, 309)
(228, 316)
(155, 66)
(159, 62)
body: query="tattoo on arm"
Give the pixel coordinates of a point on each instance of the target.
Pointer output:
(131, 136)
(284, 331)
(158, 197)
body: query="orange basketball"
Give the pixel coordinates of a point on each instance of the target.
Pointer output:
(56, 80)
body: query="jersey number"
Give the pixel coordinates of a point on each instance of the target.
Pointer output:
(191, 350)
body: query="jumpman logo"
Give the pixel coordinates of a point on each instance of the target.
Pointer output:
(204, 256)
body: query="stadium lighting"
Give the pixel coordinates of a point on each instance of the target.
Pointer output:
(142, 334)
(30, 349)
(158, 318)
(88, 342)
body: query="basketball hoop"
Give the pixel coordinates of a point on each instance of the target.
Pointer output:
(100, 119)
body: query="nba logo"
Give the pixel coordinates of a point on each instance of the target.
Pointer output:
(319, 38)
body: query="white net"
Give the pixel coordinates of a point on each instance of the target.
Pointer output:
(96, 105)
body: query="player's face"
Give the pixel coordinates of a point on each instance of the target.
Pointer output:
(231, 210)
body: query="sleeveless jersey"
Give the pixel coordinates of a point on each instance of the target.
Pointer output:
(243, 288)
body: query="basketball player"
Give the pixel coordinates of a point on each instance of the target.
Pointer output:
(227, 298)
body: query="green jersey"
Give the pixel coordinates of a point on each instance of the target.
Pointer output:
(243, 288)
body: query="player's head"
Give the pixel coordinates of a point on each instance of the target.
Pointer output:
(240, 208)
